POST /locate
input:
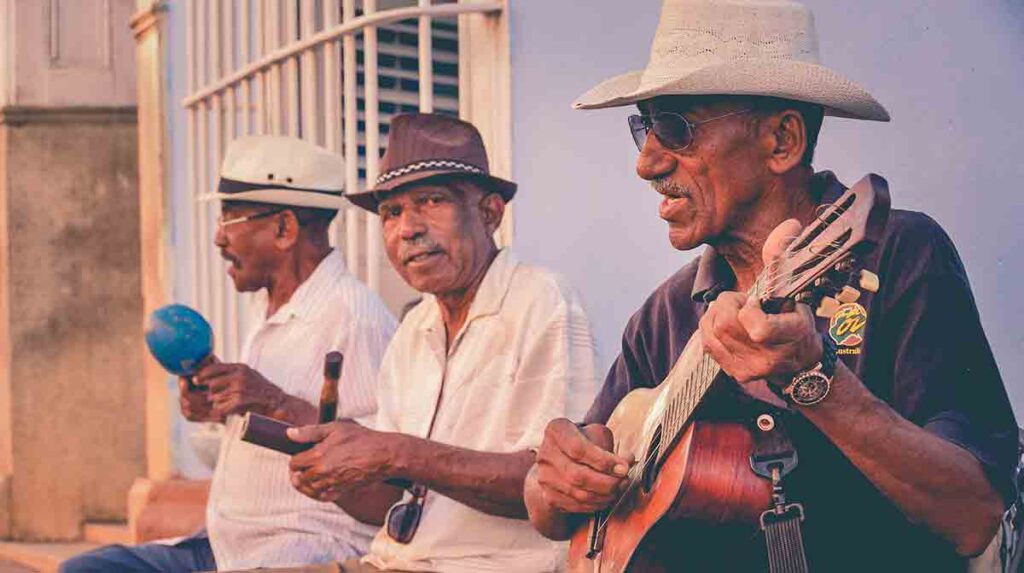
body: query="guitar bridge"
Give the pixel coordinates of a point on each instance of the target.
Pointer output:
(596, 535)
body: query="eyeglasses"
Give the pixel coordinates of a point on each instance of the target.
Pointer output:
(672, 129)
(221, 222)
(404, 518)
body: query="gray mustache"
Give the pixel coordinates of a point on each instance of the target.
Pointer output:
(415, 246)
(668, 187)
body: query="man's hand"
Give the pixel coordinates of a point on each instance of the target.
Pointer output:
(195, 405)
(237, 389)
(575, 469)
(750, 344)
(347, 456)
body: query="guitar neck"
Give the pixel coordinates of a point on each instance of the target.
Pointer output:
(689, 381)
(692, 376)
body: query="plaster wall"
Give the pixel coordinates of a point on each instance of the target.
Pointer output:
(73, 288)
(951, 74)
(71, 398)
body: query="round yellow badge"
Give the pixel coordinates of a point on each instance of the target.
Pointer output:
(847, 324)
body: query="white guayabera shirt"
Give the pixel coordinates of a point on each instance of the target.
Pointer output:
(254, 517)
(524, 356)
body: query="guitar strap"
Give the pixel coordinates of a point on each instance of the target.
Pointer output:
(775, 456)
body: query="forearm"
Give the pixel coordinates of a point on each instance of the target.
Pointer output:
(934, 482)
(370, 503)
(486, 481)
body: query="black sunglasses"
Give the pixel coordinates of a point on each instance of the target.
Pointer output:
(674, 131)
(404, 518)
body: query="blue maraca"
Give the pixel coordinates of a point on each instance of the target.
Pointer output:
(180, 339)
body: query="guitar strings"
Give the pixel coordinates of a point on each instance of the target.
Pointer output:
(635, 473)
(651, 458)
(776, 270)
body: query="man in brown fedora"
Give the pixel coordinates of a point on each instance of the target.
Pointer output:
(495, 350)
(894, 404)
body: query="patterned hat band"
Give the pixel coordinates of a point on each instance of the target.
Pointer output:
(445, 164)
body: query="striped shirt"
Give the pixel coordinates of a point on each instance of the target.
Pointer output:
(254, 517)
(524, 356)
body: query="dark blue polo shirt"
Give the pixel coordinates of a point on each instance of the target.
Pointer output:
(917, 344)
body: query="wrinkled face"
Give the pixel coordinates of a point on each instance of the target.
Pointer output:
(438, 235)
(248, 246)
(708, 186)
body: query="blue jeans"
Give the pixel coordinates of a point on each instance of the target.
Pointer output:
(190, 554)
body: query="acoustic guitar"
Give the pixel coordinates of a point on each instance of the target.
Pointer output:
(698, 470)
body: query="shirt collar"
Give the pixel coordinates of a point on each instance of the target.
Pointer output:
(714, 274)
(489, 296)
(307, 300)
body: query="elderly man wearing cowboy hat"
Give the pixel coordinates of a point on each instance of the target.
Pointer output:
(496, 349)
(278, 197)
(906, 446)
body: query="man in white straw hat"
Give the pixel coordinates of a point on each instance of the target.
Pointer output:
(905, 436)
(278, 196)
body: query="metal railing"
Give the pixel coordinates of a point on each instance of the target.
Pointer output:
(297, 67)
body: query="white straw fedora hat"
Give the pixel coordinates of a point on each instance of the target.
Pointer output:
(281, 170)
(737, 47)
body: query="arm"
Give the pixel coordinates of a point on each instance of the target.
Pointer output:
(486, 481)
(931, 479)
(351, 463)
(237, 389)
(369, 503)
(346, 467)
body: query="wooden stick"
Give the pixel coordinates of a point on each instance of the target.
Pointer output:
(329, 392)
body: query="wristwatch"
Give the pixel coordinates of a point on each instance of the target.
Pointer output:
(811, 386)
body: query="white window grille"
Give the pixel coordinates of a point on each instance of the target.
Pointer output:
(332, 72)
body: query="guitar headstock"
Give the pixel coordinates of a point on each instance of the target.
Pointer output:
(820, 267)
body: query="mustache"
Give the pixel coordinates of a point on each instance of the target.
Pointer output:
(417, 246)
(228, 257)
(669, 188)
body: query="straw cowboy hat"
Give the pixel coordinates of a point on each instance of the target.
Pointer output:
(281, 170)
(736, 47)
(426, 145)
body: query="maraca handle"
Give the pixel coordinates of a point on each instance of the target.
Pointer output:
(190, 380)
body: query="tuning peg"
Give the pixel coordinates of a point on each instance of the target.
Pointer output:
(827, 308)
(868, 281)
(848, 294)
(846, 265)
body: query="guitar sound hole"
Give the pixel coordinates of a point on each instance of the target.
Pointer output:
(650, 462)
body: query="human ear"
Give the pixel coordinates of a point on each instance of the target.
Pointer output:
(286, 234)
(492, 210)
(788, 139)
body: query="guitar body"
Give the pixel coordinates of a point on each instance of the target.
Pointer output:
(706, 477)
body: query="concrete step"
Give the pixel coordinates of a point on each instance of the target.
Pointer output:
(107, 533)
(42, 557)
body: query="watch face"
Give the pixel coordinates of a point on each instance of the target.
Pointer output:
(809, 388)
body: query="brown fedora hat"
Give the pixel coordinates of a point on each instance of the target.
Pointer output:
(426, 145)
